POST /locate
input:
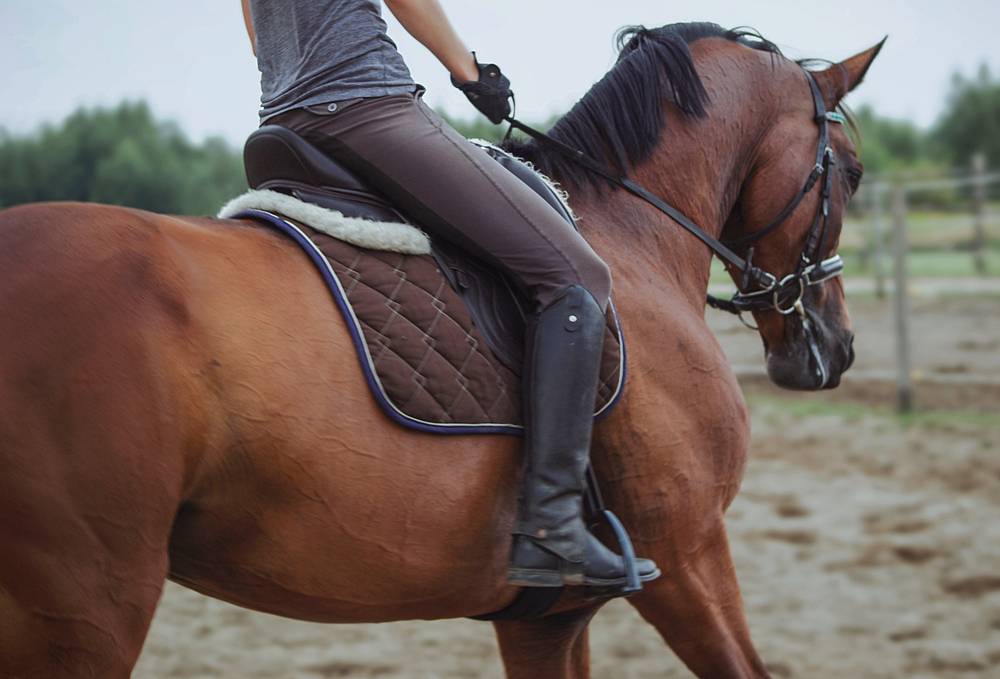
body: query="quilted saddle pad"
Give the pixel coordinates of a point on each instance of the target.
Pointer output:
(429, 367)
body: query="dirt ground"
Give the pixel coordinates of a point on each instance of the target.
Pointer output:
(866, 545)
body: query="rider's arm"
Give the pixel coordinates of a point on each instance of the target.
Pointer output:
(248, 20)
(426, 21)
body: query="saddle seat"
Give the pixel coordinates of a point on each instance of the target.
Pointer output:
(278, 159)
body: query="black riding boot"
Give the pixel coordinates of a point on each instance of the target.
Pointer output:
(552, 546)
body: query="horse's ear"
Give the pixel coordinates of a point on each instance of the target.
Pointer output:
(841, 78)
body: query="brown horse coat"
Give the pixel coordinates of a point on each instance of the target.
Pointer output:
(179, 398)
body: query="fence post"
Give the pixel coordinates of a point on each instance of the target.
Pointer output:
(866, 247)
(904, 384)
(877, 240)
(979, 212)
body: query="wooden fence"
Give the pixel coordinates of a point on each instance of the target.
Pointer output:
(897, 193)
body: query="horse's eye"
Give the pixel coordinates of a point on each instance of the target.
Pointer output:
(854, 175)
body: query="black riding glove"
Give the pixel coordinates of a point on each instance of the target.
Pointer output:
(490, 94)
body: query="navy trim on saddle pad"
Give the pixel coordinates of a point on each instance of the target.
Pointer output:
(361, 347)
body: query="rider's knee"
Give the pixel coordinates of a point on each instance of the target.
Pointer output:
(584, 269)
(596, 278)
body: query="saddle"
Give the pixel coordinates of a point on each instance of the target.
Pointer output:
(439, 334)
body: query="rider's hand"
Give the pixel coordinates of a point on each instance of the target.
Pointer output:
(490, 93)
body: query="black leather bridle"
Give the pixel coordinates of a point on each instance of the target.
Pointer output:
(758, 290)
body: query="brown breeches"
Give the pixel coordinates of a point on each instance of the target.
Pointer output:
(455, 190)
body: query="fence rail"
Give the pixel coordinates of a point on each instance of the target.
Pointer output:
(895, 196)
(936, 182)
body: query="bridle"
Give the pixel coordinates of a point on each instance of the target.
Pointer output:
(758, 290)
(785, 295)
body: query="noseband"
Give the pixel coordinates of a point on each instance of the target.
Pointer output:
(758, 290)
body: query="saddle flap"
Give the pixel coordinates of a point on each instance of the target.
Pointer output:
(496, 307)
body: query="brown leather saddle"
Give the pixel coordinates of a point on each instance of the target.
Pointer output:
(280, 160)
(441, 337)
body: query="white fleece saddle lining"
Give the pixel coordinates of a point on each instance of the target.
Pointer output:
(392, 236)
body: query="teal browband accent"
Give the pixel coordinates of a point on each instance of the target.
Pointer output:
(835, 117)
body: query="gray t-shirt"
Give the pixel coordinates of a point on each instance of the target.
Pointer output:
(320, 51)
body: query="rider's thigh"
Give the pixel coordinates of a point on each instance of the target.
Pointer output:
(457, 192)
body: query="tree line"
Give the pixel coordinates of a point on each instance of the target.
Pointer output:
(969, 124)
(124, 155)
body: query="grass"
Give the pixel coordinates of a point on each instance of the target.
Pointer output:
(939, 245)
(940, 264)
(928, 264)
(921, 264)
(801, 407)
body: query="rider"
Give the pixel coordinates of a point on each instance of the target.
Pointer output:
(330, 73)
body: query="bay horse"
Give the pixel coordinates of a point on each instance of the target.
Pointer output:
(179, 397)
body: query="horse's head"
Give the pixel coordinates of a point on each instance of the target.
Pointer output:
(754, 126)
(790, 226)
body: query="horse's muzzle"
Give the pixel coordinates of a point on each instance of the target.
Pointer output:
(816, 362)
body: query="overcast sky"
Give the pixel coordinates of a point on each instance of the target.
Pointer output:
(191, 60)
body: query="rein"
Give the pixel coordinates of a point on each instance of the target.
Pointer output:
(758, 290)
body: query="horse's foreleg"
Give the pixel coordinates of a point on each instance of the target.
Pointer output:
(553, 647)
(92, 471)
(75, 610)
(697, 608)
(79, 580)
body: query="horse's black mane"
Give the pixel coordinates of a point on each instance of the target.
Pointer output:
(621, 118)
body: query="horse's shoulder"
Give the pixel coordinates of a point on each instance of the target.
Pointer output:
(681, 356)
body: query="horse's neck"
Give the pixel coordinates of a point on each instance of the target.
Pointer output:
(698, 167)
(634, 236)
